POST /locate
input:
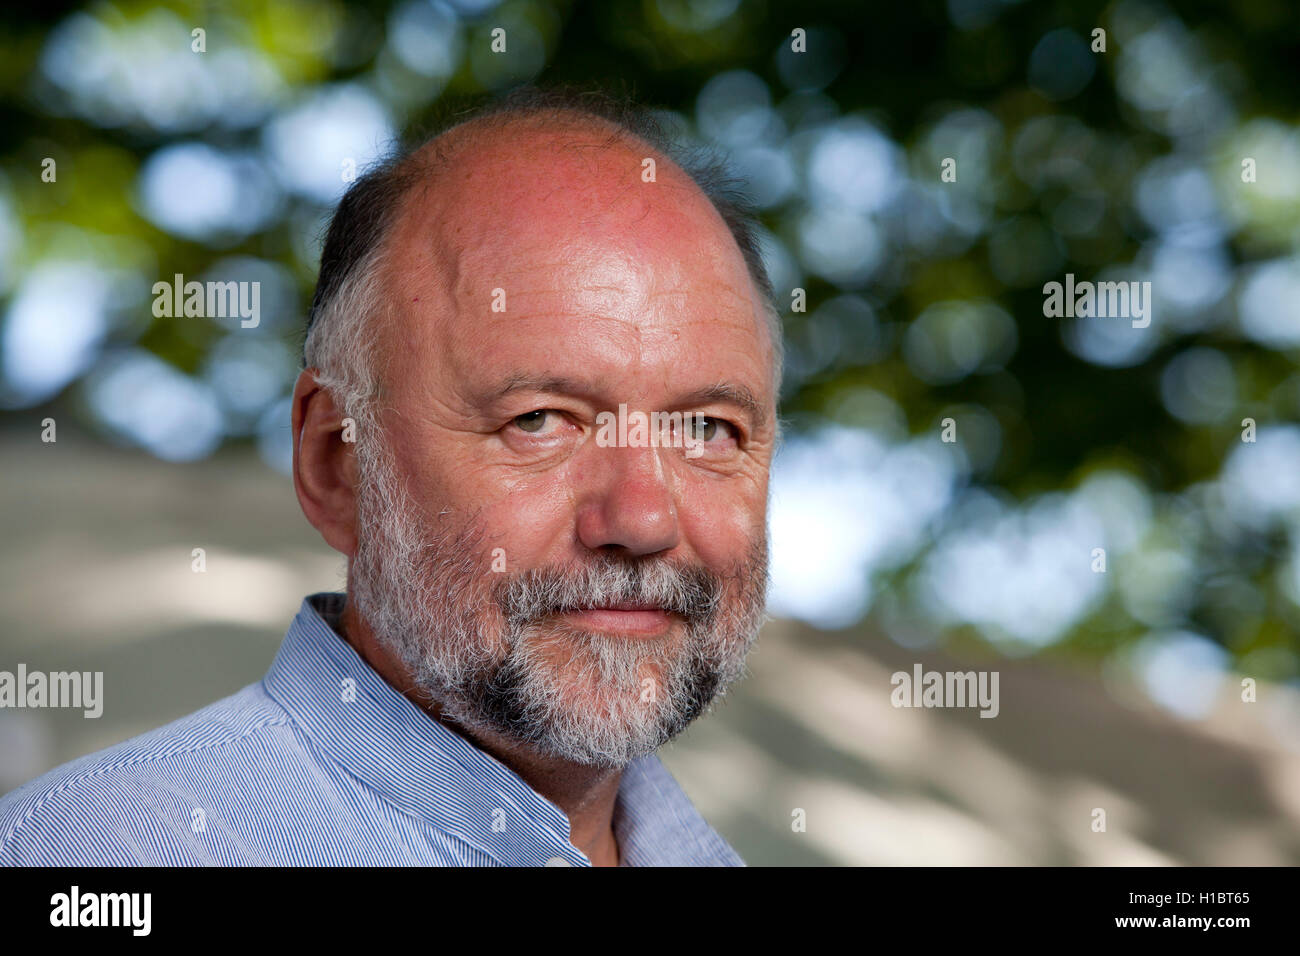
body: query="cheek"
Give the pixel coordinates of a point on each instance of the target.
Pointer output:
(722, 523)
(530, 522)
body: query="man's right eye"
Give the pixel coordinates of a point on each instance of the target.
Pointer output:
(532, 422)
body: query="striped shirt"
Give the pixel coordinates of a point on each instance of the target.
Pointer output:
(324, 763)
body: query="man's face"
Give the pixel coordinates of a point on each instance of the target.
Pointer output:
(584, 598)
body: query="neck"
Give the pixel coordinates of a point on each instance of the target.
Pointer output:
(585, 794)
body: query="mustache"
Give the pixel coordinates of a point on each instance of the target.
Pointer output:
(688, 590)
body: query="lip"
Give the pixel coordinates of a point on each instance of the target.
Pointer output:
(638, 619)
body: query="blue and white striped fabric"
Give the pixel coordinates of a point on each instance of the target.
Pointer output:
(288, 772)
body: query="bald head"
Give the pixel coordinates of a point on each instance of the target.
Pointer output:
(536, 167)
(548, 216)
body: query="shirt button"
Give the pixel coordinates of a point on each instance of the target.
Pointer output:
(558, 861)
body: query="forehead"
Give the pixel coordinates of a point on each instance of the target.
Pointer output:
(530, 237)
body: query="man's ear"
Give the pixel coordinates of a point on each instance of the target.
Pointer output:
(324, 464)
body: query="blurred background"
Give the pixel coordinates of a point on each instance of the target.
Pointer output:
(133, 148)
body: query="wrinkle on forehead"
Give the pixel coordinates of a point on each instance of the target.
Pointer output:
(563, 208)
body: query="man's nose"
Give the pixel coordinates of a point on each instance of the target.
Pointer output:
(630, 504)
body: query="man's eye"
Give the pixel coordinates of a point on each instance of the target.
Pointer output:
(532, 422)
(703, 428)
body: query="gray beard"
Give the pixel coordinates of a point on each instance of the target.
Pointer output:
(489, 649)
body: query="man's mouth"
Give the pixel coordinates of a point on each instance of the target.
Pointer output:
(642, 620)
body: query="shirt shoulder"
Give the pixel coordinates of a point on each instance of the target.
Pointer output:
(142, 802)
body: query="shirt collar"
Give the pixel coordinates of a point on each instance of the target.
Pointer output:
(656, 824)
(429, 771)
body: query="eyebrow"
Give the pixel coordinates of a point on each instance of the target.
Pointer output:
(728, 392)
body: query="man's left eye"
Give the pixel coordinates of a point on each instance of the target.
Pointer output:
(703, 428)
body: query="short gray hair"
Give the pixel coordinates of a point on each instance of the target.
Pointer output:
(350, 296)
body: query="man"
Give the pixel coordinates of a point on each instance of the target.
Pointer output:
(537, 597)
